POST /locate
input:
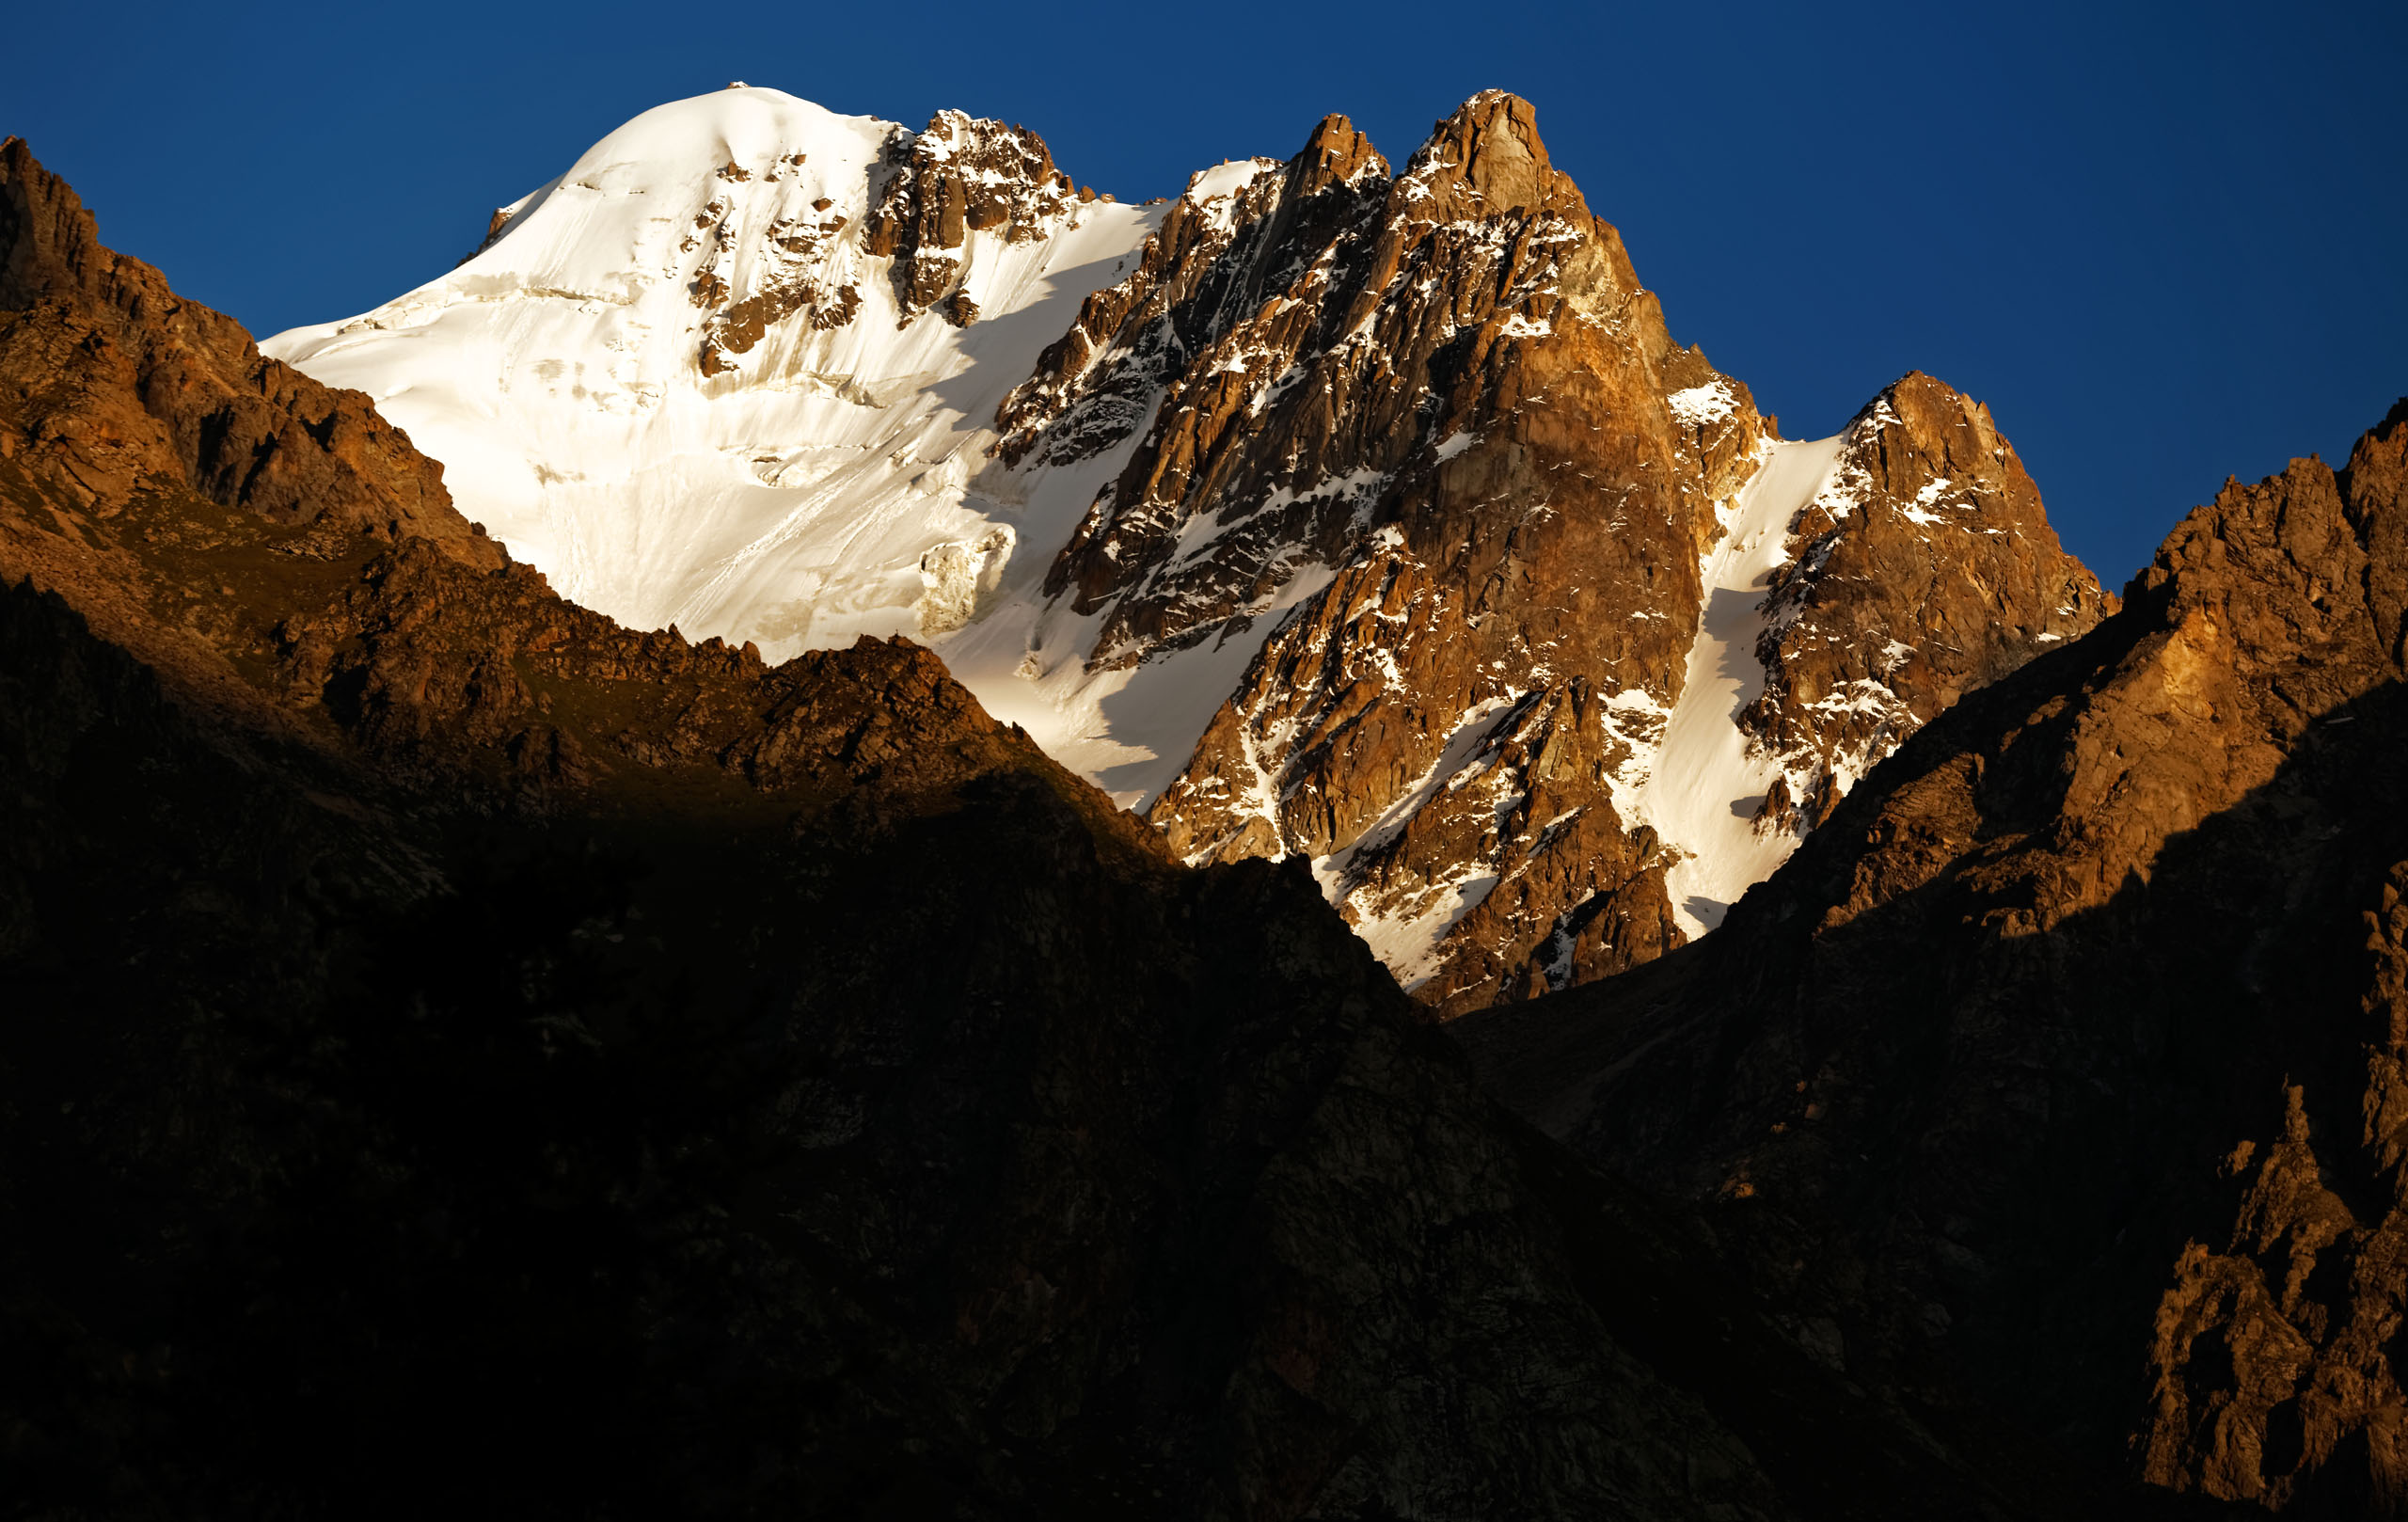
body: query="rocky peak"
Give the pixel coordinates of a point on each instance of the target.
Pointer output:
(1322, 377)
(1886, 608)
(1333, 154)
(1486, 159)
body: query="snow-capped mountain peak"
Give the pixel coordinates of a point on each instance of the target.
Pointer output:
(1317, 510)
(736, 367)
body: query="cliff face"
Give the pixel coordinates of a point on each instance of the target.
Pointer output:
(2063, 1059)
(462, 1052)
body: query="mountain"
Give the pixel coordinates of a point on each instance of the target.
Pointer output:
(2064, 1063)
(464, 1054)
(1321, 509)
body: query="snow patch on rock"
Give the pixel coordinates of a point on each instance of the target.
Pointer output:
(1702, 404)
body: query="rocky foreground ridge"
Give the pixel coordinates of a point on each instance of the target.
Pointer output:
(1322, 510)
(2063, 1062)
(464, 1054)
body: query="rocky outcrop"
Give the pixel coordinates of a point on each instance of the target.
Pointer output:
(789, 258)
(461, 1050)
(2273, 1353)
(770, 234)
(959, 175)
(796, 279)
(2058, 1066)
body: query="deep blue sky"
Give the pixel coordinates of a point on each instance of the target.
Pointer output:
(2166, 244)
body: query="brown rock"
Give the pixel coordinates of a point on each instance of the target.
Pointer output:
(958, 176)
(1925, 569)
(796, 272)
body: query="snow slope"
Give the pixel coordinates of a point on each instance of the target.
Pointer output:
(836, 483)
(1704, 782)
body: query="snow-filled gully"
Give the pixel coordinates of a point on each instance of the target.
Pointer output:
(1703, 789)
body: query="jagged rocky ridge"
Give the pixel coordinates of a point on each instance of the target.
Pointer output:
(465, 1053)
(2064, 1061)
(1321, 511)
